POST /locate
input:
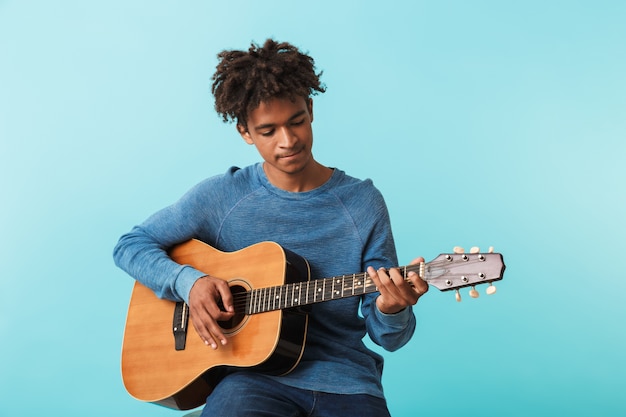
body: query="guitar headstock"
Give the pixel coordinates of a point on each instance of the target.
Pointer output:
(452, 271)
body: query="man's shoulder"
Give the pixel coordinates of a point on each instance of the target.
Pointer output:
(346, 181)
(234, 181)
(246, 174)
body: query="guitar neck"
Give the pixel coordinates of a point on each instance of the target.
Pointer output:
(310, 292)
(446, 272)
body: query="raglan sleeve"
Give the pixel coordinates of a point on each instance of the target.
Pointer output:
(390, 331)
(143, 251)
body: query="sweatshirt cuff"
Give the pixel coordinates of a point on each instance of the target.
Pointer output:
(398, 320)
(185, 280)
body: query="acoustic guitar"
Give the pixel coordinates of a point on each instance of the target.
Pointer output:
(165, 362)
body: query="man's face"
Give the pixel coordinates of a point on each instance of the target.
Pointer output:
(281, 131)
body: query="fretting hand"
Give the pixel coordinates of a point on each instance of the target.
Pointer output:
(396, 293)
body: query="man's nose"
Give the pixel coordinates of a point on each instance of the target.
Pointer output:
(287, 137)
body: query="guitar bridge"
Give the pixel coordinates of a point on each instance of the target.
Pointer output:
(179, 325)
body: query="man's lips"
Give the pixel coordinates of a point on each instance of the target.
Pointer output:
(290, 155)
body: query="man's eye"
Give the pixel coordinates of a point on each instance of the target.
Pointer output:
(297, 122)
(268, 133)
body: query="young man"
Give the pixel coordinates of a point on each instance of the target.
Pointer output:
(338, 223)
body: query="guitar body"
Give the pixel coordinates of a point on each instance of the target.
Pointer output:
(272, 342)
(164, 361)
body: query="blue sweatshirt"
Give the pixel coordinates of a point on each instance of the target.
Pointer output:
(341, 227)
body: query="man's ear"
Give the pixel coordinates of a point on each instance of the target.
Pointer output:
(310, 106)
(245, 134)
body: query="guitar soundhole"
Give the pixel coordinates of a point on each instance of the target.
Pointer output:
(239, 319)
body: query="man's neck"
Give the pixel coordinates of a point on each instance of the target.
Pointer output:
(310, 178)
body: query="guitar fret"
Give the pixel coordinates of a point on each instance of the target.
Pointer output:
(277, 298)
(261, 300)
(274, 298)
(248, 308)
(295, 294)
(308, 285)
(343, 285)
(253, 303)
(269, 299)
(282, 297)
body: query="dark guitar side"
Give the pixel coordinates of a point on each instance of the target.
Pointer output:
(272, 342)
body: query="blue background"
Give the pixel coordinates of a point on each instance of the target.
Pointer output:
(485, 123)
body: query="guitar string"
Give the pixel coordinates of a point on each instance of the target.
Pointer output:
(271, 298)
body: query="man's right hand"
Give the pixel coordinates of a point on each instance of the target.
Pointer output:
(205, 312)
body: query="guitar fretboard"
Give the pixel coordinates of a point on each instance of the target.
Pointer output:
(309, 292)
(446, 272)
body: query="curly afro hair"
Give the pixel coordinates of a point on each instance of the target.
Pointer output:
(245, 79)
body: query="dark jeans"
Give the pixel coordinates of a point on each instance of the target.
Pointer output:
(244, 394)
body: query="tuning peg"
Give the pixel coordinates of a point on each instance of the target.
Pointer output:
(457, 295)
(475, 249)
(491, 289)
(473, 293)
(458, 249)
(490, 249)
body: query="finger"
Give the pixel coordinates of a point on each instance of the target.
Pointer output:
(207, 299)
(204, 318)
(227, 297)
(420, 287)
(203, 330)
(392, 297)
(218, 335)
(380, 278)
